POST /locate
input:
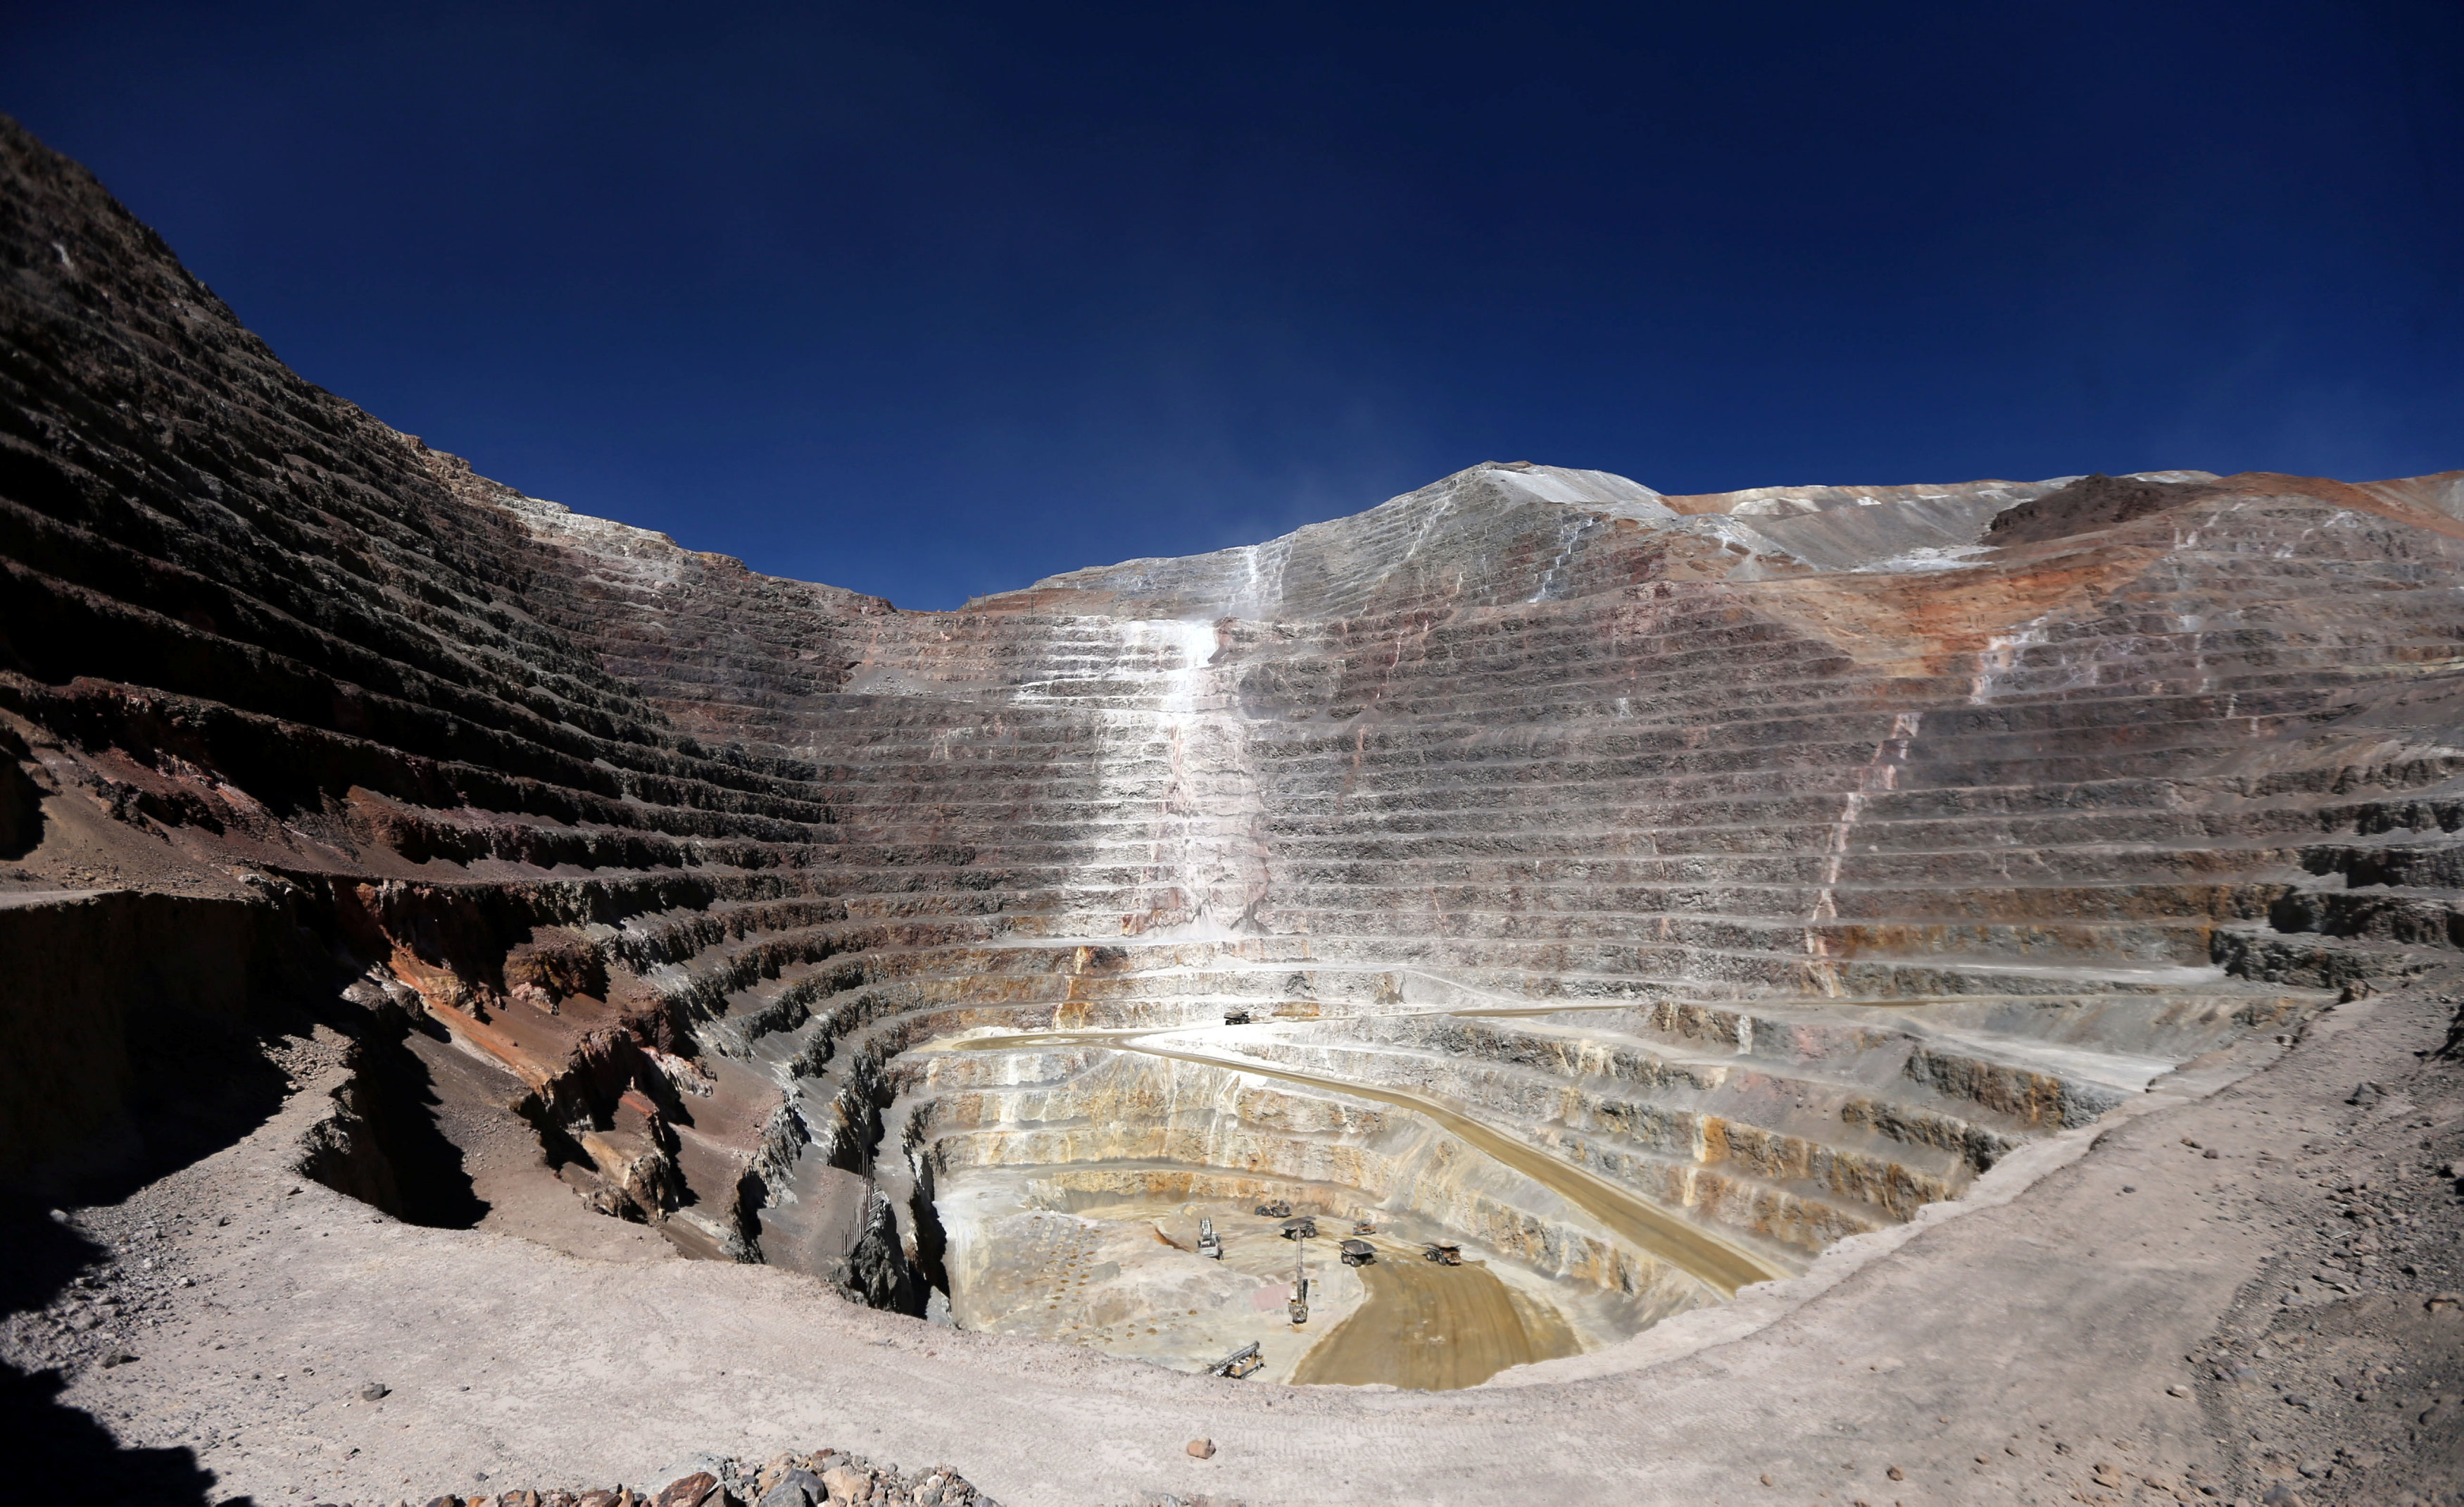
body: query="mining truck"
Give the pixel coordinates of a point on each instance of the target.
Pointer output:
(1277, 1209)
(1441, 1252)
(1240, 1363)
(1302, 1229)
(1357, 1252)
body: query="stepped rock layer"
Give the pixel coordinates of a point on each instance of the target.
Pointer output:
(1647, 893)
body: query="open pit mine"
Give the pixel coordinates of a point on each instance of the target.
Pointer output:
(1540, 989)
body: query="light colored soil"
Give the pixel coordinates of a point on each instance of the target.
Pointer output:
(1125, 1278)
(2061, 1317)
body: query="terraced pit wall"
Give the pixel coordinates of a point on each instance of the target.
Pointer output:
(1770, 863)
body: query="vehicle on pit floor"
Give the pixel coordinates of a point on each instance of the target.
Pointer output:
(1276, 1208)
(1210, 1245)
(1357, 1252)
(1443, 1252)
(1302, 1229)
(1240, 1363)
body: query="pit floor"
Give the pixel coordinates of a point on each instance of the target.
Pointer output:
(1124, 1277)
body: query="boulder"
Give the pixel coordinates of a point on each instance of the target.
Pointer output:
(691, 1490)
(796, 1487)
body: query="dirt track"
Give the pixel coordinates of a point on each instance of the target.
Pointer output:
(1693, 1248)
(1428, 1327)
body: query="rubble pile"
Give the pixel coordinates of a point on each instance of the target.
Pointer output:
(821, 1479)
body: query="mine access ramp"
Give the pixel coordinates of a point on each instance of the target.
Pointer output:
(1240, 1363)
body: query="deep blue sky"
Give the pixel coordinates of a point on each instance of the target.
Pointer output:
(933, 300)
